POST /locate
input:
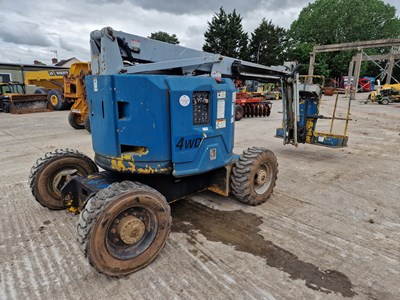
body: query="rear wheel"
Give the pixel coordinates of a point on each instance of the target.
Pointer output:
(254, 176)
(76, 120)
(53, 170)
(239, 112)
(124, 227)
(56, 99)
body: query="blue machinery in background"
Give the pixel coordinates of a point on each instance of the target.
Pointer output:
(307, 113)
(162, 119)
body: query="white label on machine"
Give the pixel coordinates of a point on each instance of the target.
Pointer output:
(221, 94)
(213, 154)
(233, 107)
(221, 109)
(220, 124)
(321, 139)
(95, 84)
(184, 100)
(135, 45)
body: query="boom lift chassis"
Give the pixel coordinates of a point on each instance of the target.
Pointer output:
(162, 119)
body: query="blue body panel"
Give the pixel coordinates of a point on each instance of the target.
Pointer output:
(308, 109)
(142, 124)
(329, 140)
(191, 144)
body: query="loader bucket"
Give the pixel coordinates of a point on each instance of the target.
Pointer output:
(23, 104)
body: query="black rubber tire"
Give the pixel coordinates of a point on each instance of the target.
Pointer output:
(5, 106)
(56, 99)
(239, 112)
(87, 124)
(74, 121)
(46, 169)
(254, 163)
(267, 110)
(385, 101)
(41, 91)
(103, 247)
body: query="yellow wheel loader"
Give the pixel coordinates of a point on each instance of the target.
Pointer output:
(14, 100)
(65, 90)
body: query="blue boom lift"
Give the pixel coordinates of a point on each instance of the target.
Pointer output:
(162, 119)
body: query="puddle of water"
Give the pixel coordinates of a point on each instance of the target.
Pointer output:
(241, 230)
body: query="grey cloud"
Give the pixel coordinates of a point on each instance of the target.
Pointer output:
(48, 23)
(103, 2)
(209, 6)
(25, 33)
(70, 46)
(195, 30)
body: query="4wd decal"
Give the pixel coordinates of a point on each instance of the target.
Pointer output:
(185, 143)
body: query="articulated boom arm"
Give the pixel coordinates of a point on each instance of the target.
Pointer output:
(115, 52)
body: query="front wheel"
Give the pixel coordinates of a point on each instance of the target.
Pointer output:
(124, 227)
(52, 171)
(254, 176)
(76, 120)
(385, 101)
(5, 107)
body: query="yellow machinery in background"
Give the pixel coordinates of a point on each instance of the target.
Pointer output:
(51, 83)
(386, 94)
(272, 91)
(65, 89)
(13, 99)
(75, 91)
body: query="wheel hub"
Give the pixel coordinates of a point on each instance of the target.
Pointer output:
(130, 230)
(54, 100)
(261, 177)
(61, 178)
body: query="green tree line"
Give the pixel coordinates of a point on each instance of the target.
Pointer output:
(319, 23)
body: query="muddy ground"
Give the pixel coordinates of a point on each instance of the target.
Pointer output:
(330, 230)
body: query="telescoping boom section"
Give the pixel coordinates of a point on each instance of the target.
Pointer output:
(116, 52)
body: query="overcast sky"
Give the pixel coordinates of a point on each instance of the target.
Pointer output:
(30, 30)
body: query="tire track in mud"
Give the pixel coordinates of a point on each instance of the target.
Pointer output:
(241, 230)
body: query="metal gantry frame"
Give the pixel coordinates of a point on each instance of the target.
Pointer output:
(355, 64)
(393, 59)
